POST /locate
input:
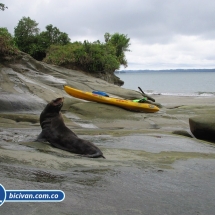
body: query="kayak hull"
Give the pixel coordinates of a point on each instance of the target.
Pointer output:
(126, 104)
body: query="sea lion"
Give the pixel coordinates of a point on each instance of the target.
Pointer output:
(55, 132)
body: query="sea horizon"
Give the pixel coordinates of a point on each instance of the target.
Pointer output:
(164, 70)
(179, 82)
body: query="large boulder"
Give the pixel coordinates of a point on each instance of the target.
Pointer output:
(203, 127)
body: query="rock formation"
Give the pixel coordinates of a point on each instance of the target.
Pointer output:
(203, 127)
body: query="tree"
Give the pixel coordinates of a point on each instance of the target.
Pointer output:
(90, 57)
(54, 36)
(7, 44)
(29, 40)
(26, 28)
(121, 43)
(107, 37)
(25, 34)
(93, 57)
(45, 39)
(3, 7)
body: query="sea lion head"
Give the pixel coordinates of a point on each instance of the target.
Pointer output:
(54, 106)
(51, 110)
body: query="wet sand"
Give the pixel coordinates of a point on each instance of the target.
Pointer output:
(149, 168)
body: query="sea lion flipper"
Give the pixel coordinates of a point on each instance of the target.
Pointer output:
(41, 138)
(96, 155)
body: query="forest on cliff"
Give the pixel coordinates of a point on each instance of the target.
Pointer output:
(53, 46)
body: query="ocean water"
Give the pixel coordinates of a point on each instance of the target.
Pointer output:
(182, 83)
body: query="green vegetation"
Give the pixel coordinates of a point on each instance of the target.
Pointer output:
(29, 40)
(7, 44)
(91, 57)
(2, 6)
(121, 44)
(54, 46)
(26, 34)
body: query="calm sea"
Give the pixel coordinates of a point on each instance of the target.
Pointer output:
(183, 83)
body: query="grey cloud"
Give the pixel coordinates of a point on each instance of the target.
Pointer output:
(151, 21)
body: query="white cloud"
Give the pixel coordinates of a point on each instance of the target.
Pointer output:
(183, 52)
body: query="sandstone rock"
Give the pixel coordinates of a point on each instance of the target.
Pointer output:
(27, 85)
(203, 127)
(182, 133)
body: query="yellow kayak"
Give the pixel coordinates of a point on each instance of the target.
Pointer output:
(127, 104)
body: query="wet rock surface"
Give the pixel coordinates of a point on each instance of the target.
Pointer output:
(142, 174)
(153, 165)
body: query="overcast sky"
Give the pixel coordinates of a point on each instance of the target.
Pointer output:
(164, 34)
